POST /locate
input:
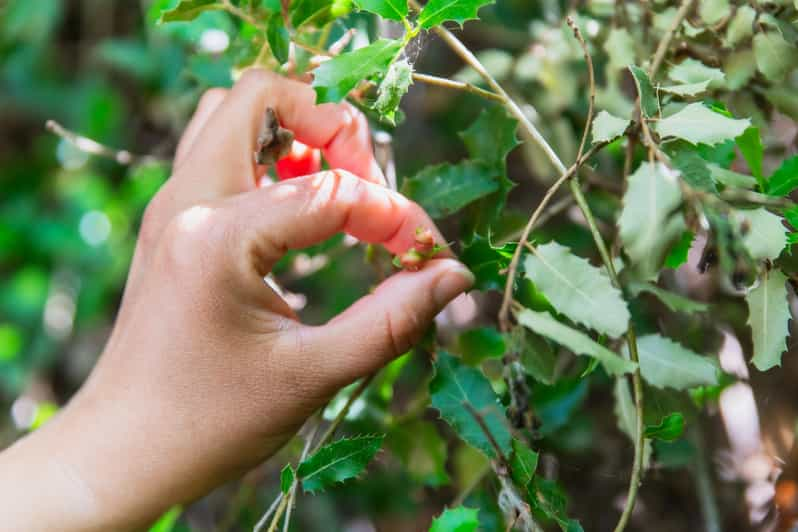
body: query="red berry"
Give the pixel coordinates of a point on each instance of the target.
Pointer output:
(412, 260)
(425, 240)
(302, 160)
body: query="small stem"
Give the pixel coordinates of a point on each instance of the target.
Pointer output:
(277, 515)
(330, 432)
(488, 434)
(92, 147)
(592, 85)
(457, 85)
(662, 48)
(262, 522)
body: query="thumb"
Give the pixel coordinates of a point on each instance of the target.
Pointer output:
(386, 323)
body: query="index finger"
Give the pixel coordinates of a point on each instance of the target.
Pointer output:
(338, 129)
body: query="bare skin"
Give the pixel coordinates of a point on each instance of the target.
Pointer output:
(207, 371)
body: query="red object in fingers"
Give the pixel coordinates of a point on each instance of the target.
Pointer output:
(303, 160)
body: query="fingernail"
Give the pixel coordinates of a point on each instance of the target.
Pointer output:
(451, 284)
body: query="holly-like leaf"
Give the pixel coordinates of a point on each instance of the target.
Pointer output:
(314, 12)
(670, 428)
(678, 252)
(577, 289)
(187, 10)
(549, 499)
(457, 392)
(337, 462)
(286, 478)
(648, 98)
(673, 301)
(491, 136)
(578, 342)
(393, 87)
(785, 179)
(333, 79)
(390, 9)
(694, 169)
(766, 235)
(697, 124)
(693, 77)
(775, 57)
(647, 224)
(278, 37)
(769, 317)
(535, 354)
(446, 188)
(607, 127)
(437, 12)
(750, 144)
(523, 464)
(460, 519)
(664, 363)
(487, 262)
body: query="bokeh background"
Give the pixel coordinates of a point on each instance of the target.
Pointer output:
(68, 223)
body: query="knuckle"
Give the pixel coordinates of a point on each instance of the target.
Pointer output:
(194, 236)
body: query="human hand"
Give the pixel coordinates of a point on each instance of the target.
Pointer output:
(208, 372)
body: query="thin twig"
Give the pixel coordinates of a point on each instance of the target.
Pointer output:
(554, 209)
(592, 87)
(458, 85)
(295, 484)
(504, 310)
(92, 147)
(330, 432)
(665, 42)
(262, 522)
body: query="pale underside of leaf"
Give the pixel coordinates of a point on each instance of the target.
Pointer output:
(665, 363)
(768, 318)
(699, 125)
(544, 324)
(607, 127)
(766, 236)
(577, 289)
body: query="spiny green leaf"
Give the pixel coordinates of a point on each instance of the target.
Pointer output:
(460, 519)
(481, 343)
(648, 98)
(523, 464)
(452, 388)
(577, 289)
(393, 87)
(278, 37)
(337, 462)
(775, 57)
(549, 499)
(607, 127)
(446, 188)
(436, 12)
(581, 344)
(187, 10)
(664, 363)
(647, 224)
(670, 428)
(390, 9)
(333, 79)
(535, 354)
(697, 124)
(286, 478)
(766, 237)
(673, 301)
(693, 169)
(678, 253)
(315, 12)
(491, 136)
(769, 317)
(750, 144)
(487, 262)
(785, 179)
